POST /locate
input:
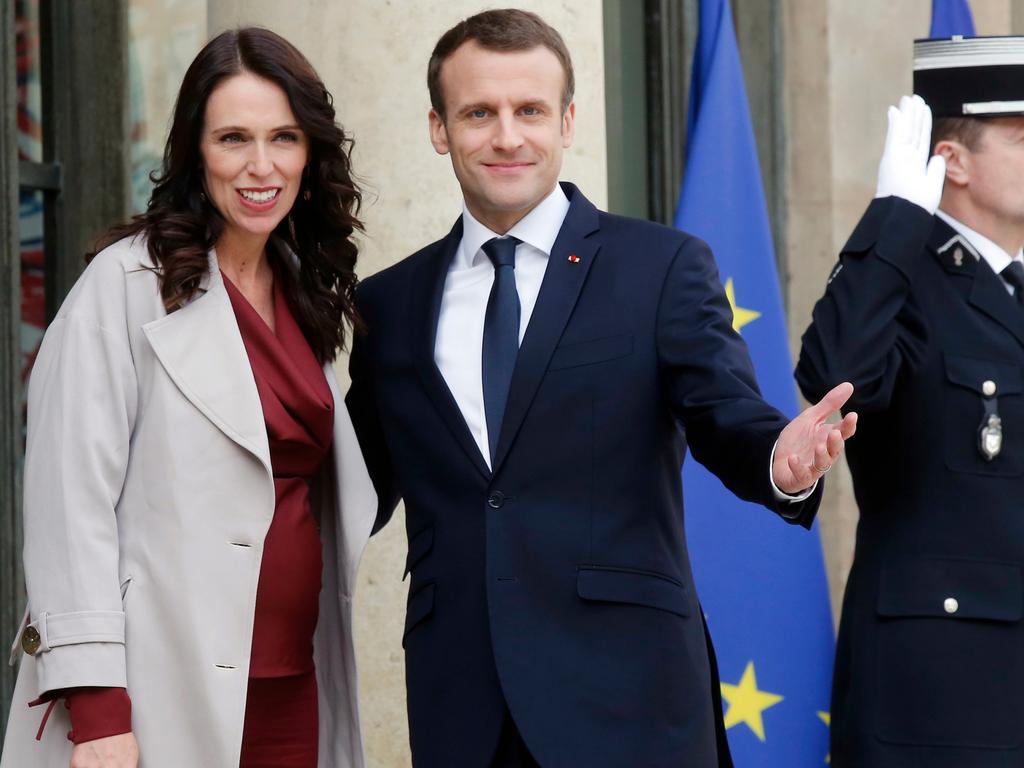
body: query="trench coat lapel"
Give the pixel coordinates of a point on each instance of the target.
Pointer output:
(426, 309)
(356, 499)
(571, 258)
(202, 351)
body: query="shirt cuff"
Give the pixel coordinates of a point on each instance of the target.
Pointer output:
(781, 495)
(98, 712)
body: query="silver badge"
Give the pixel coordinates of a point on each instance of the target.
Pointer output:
(990, 437)
(958, 257)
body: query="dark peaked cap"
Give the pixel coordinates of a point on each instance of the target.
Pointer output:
(970, 76)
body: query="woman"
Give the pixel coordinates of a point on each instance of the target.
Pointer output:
(187, 440)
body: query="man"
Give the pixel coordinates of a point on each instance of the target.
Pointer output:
(924, 315)
(529, 385)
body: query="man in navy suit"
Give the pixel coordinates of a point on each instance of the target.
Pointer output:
(529, 385)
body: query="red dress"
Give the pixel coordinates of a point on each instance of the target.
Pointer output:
(298, 408)
(281, 708)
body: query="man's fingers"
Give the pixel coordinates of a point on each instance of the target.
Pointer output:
(848, 426)
(833, 401)
(801, 474)
(834, 445)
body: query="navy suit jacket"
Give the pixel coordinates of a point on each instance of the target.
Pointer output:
(930, 655)
(558, 585)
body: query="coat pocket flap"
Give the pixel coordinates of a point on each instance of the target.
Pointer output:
(986, 377)
(636, 587)
(956, 589)
(419, 545)
(421, 605)
(594, 351)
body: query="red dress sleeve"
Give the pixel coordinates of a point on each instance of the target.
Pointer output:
(98, 712)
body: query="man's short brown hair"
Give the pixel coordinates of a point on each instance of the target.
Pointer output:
(507, 29)
(965, 130)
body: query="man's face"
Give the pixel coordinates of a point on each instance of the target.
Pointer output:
(995, 171)
(504, 129)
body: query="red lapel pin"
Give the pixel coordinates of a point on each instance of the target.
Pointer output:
(574, 259)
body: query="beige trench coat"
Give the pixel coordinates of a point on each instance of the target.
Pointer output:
(148, 494)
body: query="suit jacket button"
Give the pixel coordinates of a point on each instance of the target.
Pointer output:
(30, 640)
(988, 388)
(496, 500)
(950, 605)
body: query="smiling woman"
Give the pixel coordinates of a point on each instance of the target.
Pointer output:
(181, 485)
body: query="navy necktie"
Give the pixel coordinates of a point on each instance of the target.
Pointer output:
(1013, 273)
(501, 334)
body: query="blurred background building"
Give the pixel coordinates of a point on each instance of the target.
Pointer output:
(88, 87)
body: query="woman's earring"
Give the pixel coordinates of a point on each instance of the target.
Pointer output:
(202, 196)
(307, 195)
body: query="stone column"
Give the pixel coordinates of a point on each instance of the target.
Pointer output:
(373, 56)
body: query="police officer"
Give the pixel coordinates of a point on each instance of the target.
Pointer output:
(924, 315)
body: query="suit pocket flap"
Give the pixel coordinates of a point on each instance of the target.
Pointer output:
(636, 587)
(419, 545)
(595, 351)
(421, 605)
(958, 589)
(974, 374)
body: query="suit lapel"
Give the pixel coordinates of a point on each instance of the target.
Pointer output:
(201, 349)
(571, 259)
(427, 292)
(987, 294)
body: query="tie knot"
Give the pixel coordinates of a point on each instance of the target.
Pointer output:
(1013, 273)
(501, 251)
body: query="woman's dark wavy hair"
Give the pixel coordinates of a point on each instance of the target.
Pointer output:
(180, 225)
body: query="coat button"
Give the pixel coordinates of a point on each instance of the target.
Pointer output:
(950, 605)
(30, 640)
(496, 500)
(988, 387)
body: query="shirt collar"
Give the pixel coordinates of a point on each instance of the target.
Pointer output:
(539, 228)
(996, 257)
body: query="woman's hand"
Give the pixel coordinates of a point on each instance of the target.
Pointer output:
(120, 751)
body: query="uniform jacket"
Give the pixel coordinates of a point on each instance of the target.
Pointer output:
(148, 493)
(930, 658)
(558, 584)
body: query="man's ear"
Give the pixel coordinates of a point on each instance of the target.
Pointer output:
(958, 161)
(569, 125)
(438, 132)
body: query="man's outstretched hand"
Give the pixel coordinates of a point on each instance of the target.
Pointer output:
(809, 445)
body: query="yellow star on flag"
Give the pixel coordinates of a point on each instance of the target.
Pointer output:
(747, 703)
(740, 316)
(826, 718)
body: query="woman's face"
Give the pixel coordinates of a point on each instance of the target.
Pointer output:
(254, 153)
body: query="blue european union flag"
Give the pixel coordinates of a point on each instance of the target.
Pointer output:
(951, 17)
(762, 582)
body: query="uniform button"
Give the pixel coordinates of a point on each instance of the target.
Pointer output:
(496, 500)
(950, 605)
(30, 640)
(988, 388)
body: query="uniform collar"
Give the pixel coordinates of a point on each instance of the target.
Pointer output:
(995, 256)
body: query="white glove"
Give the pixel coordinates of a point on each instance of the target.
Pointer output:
(905, 170)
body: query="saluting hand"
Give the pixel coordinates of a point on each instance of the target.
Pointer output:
(905, 169)
(809, 445)
(119, 751)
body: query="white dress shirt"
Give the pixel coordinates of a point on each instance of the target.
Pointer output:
(996, 257)
(458, 347)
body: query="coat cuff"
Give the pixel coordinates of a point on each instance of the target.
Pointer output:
(81, 648)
